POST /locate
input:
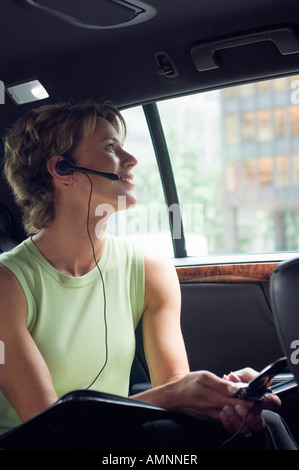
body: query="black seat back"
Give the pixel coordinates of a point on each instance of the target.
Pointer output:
(7, 242)
(284, 292)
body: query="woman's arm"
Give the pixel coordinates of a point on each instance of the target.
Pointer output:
(163, 341)
(201, 393)
(24, 377)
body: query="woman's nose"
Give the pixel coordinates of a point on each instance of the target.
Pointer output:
(128, 160)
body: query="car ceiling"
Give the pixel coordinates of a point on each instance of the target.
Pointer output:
(115, 58)
(75, 62)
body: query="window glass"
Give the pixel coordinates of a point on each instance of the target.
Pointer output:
(235, 156)
(295, 169)
(232, 129)
(250, 172)
(248, 126)
(280, 84)
(265, 171)
(262, 87)
(232, 177)
(294, 117)
(264, 125)
(247, 90)
(147, 222)
(280, 123)
(282, 173)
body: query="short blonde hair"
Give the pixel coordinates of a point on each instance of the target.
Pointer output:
(36, 137)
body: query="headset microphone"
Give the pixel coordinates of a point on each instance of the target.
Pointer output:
(63, 168)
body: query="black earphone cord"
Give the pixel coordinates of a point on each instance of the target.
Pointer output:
(103, 284)
(237, 432)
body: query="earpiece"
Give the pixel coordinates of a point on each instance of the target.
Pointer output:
(63, 168)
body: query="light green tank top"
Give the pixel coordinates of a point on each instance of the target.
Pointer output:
(67, 322)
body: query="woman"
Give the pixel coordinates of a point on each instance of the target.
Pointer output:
(72, 296)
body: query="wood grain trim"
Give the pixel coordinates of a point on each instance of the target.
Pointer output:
(252, 272)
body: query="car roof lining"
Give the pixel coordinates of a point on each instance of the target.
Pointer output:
(119, 64)
(75, 63)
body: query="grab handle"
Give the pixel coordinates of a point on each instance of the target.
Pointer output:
(204, 56)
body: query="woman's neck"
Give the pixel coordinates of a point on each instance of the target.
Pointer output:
(71, 247)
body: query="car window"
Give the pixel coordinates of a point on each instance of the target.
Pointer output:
(147, 223)
(235, 157)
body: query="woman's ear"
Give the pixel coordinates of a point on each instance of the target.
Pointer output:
(52, 168)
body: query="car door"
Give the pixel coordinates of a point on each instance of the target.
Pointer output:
(228, 163)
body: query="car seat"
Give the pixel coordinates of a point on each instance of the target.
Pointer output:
(284, 293)
(7, 242)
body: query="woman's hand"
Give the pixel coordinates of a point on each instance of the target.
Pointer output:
(204, 395)
(201, 394)
(233, 416)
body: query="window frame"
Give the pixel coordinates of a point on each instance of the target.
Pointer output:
(153, 120)
(181, 258)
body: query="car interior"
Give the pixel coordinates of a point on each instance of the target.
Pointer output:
(210, 94)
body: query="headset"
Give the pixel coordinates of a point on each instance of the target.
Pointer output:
(65, 167)
(103, 285)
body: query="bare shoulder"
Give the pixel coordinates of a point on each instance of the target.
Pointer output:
(11, 293)
(161, 281)
(6, 274)
(157, 263)
(8, 281)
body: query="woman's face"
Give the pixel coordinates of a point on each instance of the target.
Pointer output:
(103, 151)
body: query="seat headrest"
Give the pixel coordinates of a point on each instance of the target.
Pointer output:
(5, 220)
(287, 264)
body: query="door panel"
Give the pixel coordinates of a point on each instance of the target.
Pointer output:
(227, 326)
(226, 317)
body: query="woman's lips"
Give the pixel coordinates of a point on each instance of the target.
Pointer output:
(126, 178)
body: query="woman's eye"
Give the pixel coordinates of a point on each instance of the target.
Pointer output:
(111, 147)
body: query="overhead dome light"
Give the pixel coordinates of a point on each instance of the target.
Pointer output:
(27, 92)
(94, 15)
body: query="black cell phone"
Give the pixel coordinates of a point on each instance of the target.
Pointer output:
(260, 385)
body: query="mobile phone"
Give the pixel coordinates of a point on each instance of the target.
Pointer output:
(284, 387)
(260, 385)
